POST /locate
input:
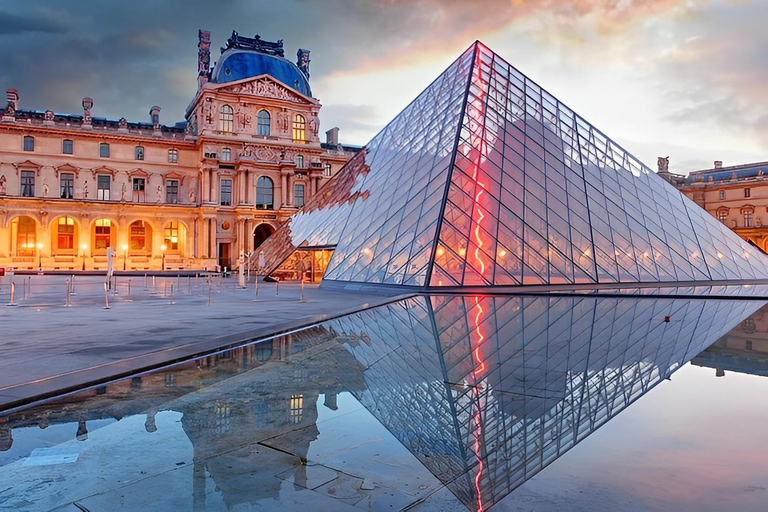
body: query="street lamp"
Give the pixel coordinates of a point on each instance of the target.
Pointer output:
(163, 248)
(40, 256)
(84, 246)
(125, 256)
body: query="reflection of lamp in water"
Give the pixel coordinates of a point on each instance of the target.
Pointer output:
(125, 255)
(84, 246)
(40, 256)
(82, 430)
(163, 248)
(150, 425)
(6, 439)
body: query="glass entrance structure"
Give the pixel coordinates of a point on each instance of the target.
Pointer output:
(487, 180)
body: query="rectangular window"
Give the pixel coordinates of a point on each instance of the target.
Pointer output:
(138, 189)
(65, 238)
(226, 192)
(327, 170)
(722, 194)
(138, 153)
(29, 143)
(226, 155)
(746, 192)
(104, 150)
(298, 195)
(173, 156)
(66, 185)
(67, 147)
(103, 233)
(172, 191)
(102, 187)
(721, 216)
(747, 219)
(28, 183)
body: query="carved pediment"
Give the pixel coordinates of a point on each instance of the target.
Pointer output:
(103, 169)
(266, 87)
(138, 173)
(173, 175)
(28, 165)
(68, 168)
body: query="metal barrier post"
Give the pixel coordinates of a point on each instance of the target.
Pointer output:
(145, 282)
(114, 287)
(256, 289)
(178, 286)
(29, 287)
(13, 294)
(209, 291)
(197, 280)
(153, 281)
(172, 301)
(277, 287)
(129, 290)
(106, 295)
(66, 294)
(302, 299)
(72, 291)
(189, 285)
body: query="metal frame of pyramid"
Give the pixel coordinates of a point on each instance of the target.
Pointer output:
(487, 180)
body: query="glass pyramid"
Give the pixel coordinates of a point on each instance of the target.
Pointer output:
(488, 180)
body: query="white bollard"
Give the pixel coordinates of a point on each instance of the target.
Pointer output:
(13, 294)
(72, 291)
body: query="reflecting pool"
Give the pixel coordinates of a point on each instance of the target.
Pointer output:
(430, 403)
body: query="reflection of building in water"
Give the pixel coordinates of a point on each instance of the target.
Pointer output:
(743, 350)
(486, 392)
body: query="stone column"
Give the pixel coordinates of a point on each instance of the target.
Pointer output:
(215, 187)
(283, 188)
(243, 192)
(206, 186)
(291, 181)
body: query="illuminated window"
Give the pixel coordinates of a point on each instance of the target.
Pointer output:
(66, 185)
(65, 233)
(722, 216)
(226, 193)
(138, 236)
(746, 192)
(298, 195)
(25, 236)
(102, 187)
(327, 170)
(264, 193)
(299, 128)
(722, 194)
(173, 156)
(28, 183)
(172, 191)
(104, 150)
(300, 161)
(138, 153)
(226, 119)
(103, 234)
(171, 236)
(297, 408)
(29, 143)
(67, 146)
(263, 121)
(226, 155)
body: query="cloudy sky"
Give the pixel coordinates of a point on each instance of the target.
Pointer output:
(681, 78)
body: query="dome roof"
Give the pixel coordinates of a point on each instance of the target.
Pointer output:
(237, 64)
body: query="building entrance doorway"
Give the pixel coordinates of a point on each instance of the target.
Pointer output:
(261, 233)
(225, 259)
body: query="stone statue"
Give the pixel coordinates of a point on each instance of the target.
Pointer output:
(663, 163)
(302, 61)
(122, 124)
(192, 196)
(2, 185)
(87, 106)
(159, 193)
(45, 188)
(283, 121)
(48, 116)
(85, 189)
(243, 118)
(122, 192)
(314, 124)
(203, 51)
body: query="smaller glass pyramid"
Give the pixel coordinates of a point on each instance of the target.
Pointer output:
(488, 180)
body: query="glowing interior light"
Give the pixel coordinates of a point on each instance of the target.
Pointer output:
(502, 253)
(440, 251)
(720, 255)
(462, 252)
(366, 250)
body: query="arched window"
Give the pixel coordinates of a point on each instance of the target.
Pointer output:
(103, 235)
(226, 154)
(171, 236)
(298, 195)
(300, 161)
(299, 128)
(173, 156)
(65, 233)
(264, 193)
(722, 215)
(263, 122)
(26, 227)
(138, 236)
(226, 119)
(327, 170)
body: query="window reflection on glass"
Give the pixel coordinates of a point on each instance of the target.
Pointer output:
(264, 193)
(263, 123)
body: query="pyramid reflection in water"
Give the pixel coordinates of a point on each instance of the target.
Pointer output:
(487, 391)
(488, 180)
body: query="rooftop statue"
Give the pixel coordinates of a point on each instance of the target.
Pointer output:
(255, 43)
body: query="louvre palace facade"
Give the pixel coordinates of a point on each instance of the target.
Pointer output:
(190, 195)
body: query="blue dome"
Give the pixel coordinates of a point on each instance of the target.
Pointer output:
(237, 64)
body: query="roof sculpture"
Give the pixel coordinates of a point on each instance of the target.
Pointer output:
(486, 179)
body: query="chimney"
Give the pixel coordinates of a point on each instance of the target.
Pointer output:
(718, 164)
(332, 136)
(13, 98)
(154, 116)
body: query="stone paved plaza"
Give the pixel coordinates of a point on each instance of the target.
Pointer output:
(42, 340)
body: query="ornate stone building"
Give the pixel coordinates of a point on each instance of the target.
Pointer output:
(191, 195)
(735, 195)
